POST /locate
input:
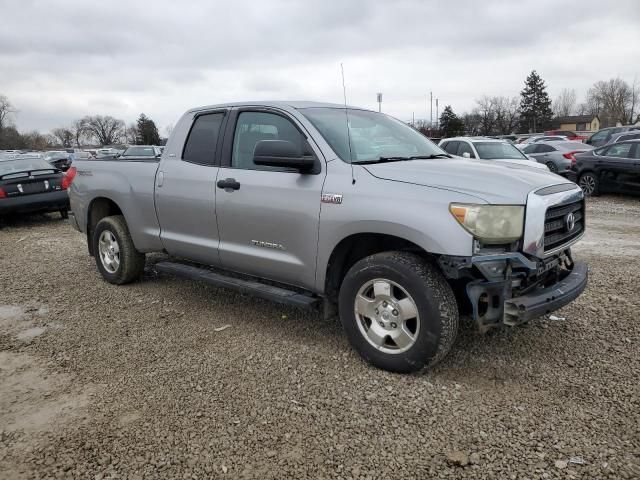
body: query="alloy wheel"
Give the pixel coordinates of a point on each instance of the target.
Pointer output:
(387, 316)
(109, 251)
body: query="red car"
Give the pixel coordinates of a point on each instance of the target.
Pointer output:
(573, 136)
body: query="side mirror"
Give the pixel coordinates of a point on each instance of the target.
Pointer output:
(466, 155)
(282, 153)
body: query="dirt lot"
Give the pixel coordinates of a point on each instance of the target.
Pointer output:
(99, 381)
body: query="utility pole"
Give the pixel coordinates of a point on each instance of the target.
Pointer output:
(437, 116)
(379, 102)
(413, 119)
(431, 110)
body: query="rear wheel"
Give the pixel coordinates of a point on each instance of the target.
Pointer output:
(116, 257)
(552, 166)
(398, 311)
(589, 184)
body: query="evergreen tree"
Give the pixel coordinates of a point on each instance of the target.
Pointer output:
(450, 123)
(535, 105)
(147, 132)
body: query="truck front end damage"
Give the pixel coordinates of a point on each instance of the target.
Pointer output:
(512, 284)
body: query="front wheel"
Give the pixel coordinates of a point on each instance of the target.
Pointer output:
(116, 256)
(552, 167)
(398, 311)
(589, 184)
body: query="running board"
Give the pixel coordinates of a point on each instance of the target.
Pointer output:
(250, 287)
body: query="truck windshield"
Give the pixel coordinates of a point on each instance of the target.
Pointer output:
(498, 151)
(374, 136)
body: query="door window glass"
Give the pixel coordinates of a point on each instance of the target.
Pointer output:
(465, 148)
(542, 148)
(620, 150)
(203, 139)
(253, 127)
(451, 147)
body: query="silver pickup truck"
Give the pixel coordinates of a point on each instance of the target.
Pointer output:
(345, 209)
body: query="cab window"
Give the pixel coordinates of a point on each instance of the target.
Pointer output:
(203, 139)
(253, 127)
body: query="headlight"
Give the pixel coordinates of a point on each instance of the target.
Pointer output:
(490, 223)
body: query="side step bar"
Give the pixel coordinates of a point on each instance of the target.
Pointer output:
(250, 287)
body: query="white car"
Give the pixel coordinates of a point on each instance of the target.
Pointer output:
(484, 148)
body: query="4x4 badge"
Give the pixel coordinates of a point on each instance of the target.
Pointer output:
(331, 198)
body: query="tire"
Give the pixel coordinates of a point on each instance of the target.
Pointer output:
(552, 167)
(64, 214)
(422, 339)
(589, 184)
(130, 263)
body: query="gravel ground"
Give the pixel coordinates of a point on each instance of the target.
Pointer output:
(141, 381)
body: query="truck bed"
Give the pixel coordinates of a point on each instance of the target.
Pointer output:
(130, 184)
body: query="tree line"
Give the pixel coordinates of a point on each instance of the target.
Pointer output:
(91, 129)
(614, 101)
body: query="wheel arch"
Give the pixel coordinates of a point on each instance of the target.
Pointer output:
(355, 247)
(99, 208)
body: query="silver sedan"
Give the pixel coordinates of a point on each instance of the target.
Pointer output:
(558, 156)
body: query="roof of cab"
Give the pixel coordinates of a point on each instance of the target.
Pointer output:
(277, 103)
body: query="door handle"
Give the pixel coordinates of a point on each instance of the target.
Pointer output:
(229, 184)
(160, 178)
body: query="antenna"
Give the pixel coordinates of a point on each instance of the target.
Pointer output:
(346, 113)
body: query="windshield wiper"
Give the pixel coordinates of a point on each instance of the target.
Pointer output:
(404, 159)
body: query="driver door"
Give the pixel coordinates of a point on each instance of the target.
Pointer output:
(268, 217)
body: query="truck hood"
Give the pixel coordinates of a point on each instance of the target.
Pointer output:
(493, 182)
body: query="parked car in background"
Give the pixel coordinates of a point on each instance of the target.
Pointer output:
(145, 151)
(30, 184)
(484, 148)
(61, 160)
(566, 133)
(558, 156)
(612, 168)
(602, 136)
(82, 155)
(524, 141)
(550, 138)
(623, 136)
(106, 152)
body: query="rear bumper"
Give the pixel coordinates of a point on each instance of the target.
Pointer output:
(546, 300)
(38, 202)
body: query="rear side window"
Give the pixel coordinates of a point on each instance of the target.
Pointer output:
(203, 139)
(542, 148)
(620, 150)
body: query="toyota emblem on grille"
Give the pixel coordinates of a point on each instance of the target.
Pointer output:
(570, 221)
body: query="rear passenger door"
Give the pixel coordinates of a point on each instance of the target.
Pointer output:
(617, 165)
(186, 189)
(269, 218)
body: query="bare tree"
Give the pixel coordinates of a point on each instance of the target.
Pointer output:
(635, 93)
(105, 129)
(507, 112)
(612, 100)
(486, 112)
(6, 110)
(565, 103)
(131, 134)
(80, 131)
(64, 136)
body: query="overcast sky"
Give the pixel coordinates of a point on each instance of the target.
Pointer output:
(60, 60)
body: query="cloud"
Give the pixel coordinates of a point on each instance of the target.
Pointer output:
(63, 60)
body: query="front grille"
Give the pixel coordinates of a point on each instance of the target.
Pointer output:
(556, 231)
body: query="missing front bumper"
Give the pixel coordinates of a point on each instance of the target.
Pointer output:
(546, 300)
(492, 297)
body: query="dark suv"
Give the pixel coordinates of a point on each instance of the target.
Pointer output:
(612, 168)
(602, 136)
